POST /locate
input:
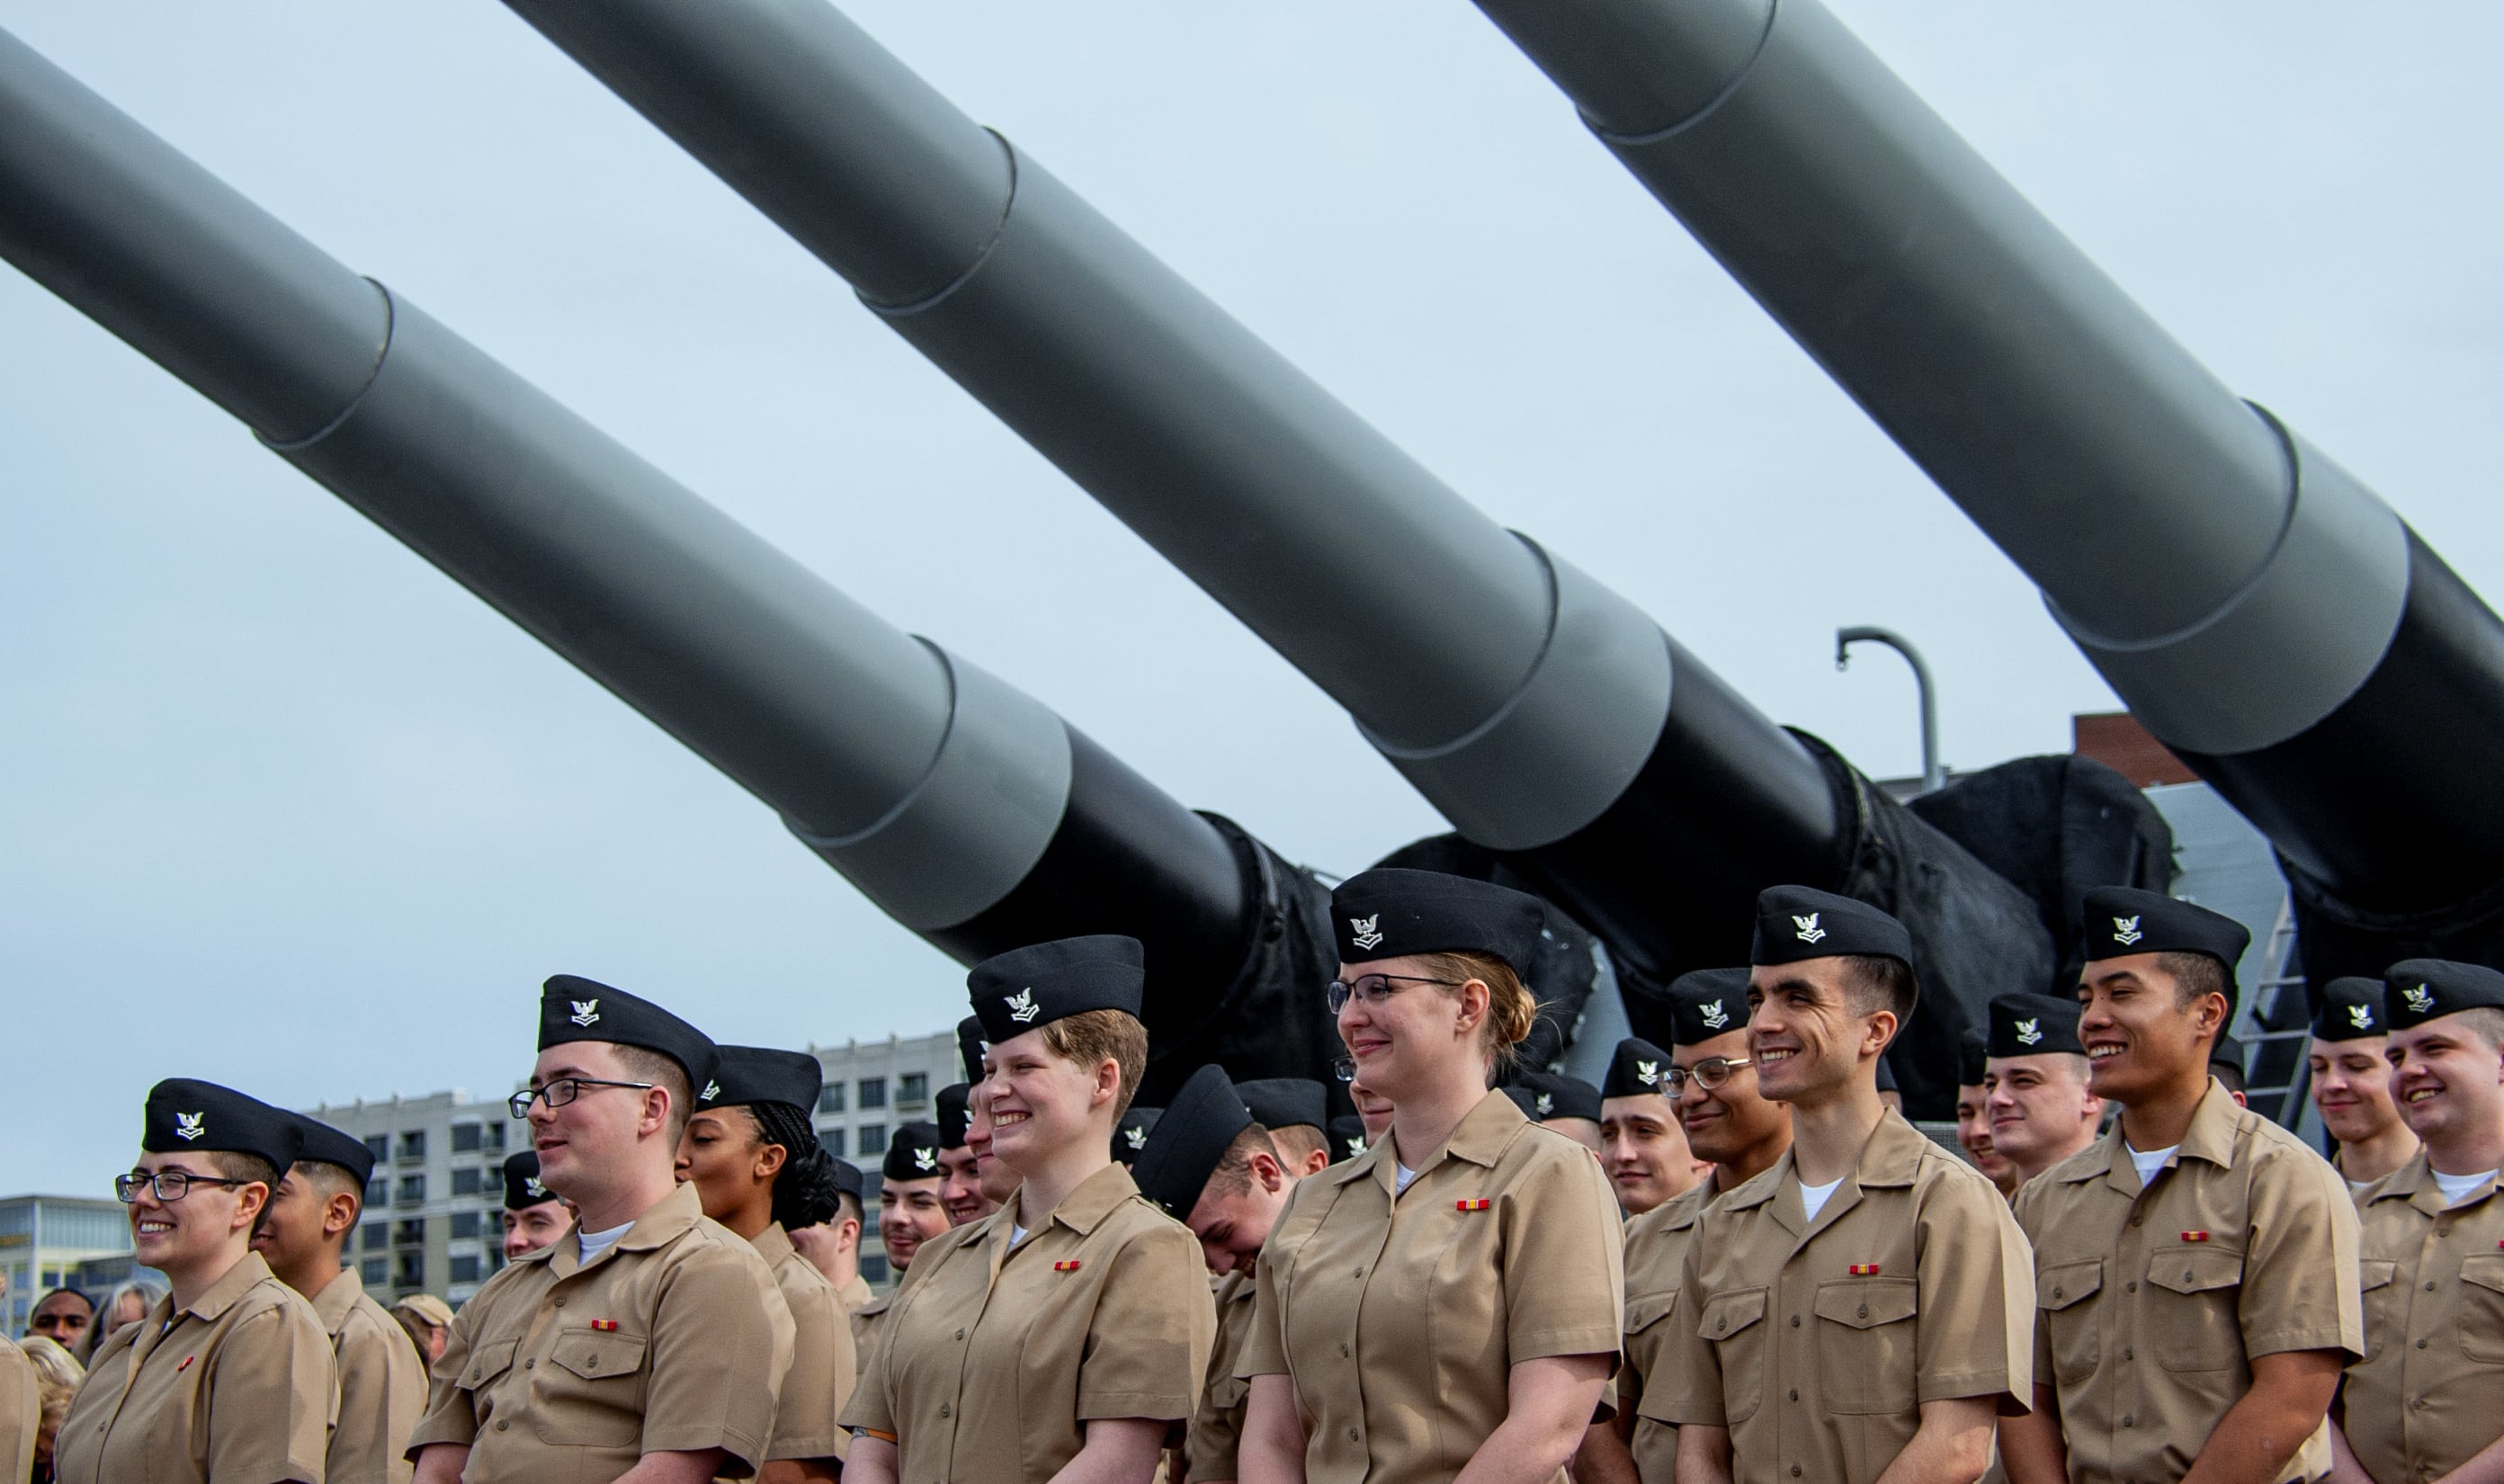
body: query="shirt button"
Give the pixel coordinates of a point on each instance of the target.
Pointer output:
(2442, 1232)
(2129, 1420)
(526, 1364)
(560, 1303)
(943, 1410)
(2421, 1344)
(2429, 1287)
(960, 1334)
(2132, 1287)
(1864, 1311)
(2125, 1351)
(502, 1424)
(1795, 1320)
(2058, 1294)
(1351, 1435)
(2138, 1220)
(1794, 1394)
(1343, 1350)
(1795, 1470)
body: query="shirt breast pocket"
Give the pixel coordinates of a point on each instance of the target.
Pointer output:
(1734, 1322)
(1866, 1356)
(2387, 1304)
(590, 1392)
(2195, 1315)
(486, 1366)
(2482, 1308)
(2062, 1291)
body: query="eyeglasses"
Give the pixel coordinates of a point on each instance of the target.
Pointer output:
(1375, 989)
(168, 1186)
(562, 1090)
(1709, 1074)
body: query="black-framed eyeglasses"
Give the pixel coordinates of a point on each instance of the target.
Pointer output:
(1376, 988)
(1709, 1074)
(168, 1186)
(562, 1090)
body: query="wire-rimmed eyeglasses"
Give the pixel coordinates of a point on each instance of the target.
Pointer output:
(562, 1090)
(1375, 989)
(1709, 1074)
(167, 1186)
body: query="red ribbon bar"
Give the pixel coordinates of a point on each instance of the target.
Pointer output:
(1480, 1204)
(185, 1363)
(604, 1326)
(1865, 1269)
(1065, 1265)
(2194, 1236)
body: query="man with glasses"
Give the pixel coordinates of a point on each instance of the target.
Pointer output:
(650, 1343)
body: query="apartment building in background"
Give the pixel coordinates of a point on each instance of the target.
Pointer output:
(871, 1087)
(434, 1219)
(47, 1241)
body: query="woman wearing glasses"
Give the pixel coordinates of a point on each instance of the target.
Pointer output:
(1451, 1300)
(231, 1376)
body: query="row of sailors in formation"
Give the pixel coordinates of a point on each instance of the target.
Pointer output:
(1774, 1278)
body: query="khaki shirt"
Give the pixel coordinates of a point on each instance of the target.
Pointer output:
(868, 1323)
(2429, 1393)
(1657, 1244)
(1400, 1320)
(21, 1412)
(2154, 1301)
(822, 1371)
(675, 1340)
(855, 1294)
(1217, 1427)
(994, 1361)
(382, 1385)
(239, 1385)
(1817, 1342)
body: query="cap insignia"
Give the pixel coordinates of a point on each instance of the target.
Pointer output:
(1809, 931)
(190, 1125)
(2420, 999)
(925, 1159)
(2126, 931)
(586, 1013)
(1355, 1145)
(1647, 1073)
(535, 1186)
(1714, 1015)
(712, 1090)
(1546, 1104)
(1022, 1005)
(1367, 933)
(2360, 1016)
(2030, 1032)
(1135, 1136)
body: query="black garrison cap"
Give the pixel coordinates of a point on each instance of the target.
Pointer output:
(185, 1115)
(847, 1177)
(2030, 1024)
(1707, 1003)
(1347, 1138)
(522, 1187)
(2226, 1059)
(2423, 989)
(1130, 1133)
(953, 1104)
(1543, 1095)
(1285, 1102)
(1188, 1140)
(912, 1151)
(2121, 921)
(1023, 988)
(760, 1074)
(1634, 1070)
(575, 1009)
(1393, 913)
(325, 1145)
(2351, 1010)
(1973, 1049)
(1797, 922)
(971, 1043)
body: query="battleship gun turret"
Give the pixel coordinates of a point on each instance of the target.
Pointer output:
(1572, 743)
(2262, 612)
(965, 809)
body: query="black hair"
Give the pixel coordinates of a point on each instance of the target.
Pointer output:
(805, 1193)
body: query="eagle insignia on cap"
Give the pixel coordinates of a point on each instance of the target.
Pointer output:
(586, 1013)
(2360, 1016)
(1355, 1145)
(1135, 1136)
(1647, 1073)
(1809, 931)
(534, 1184)
(1546, 1104)
(2029, 1032)
(925, 1159)
(190, 1125)
(1366, 932)
(1021, 1007)
(1714, 1015)
(2420, 999)
(712, 1090)
(2126, 931)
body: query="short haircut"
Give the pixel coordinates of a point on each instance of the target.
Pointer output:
(1233, 1173)
(2231, 1074)
(1298, 1143)
(1092, 1037)
(644, 1064)
(2485, 1022)
(2196, 975)
(1881, 982)
(848, 1208)
(331, 1178)
(238, 1164)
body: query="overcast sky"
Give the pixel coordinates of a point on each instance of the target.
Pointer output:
(285, 807)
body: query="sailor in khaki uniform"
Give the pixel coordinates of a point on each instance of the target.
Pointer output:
(1864, 1307)
(2350, 1083)
(960, 1182)
(754, 1158)
(231, 1376)
(649, 1338)
(2423, 1404)
(534, 1217)
(382, 1377)
(833, 1245)
(2035, 1080)
(2196, 1266)
(910, 1213)
(1069, 1329)
(1451, 1300)
(1296, 1111)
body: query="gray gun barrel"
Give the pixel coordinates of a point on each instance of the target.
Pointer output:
(2264, 613)
(967, 810)
(1542, 713)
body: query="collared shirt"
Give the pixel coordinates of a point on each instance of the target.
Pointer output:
(21, 1412)
(1399, 1320)
(869, 1322)
(674, 1340)
(2426, 1395)
(382, 1385)
(1815, 1344)
(853, 1295)
(1217, 1427)
(993, 1360)
(239, 1384)
(822, 1372)
(1657, 1244)
(2154, 1300)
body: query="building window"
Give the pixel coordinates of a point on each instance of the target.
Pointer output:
(412, 1144)
(873, 1266)
(495, 1138)
(831, 1097)
(373, 1270)
(412, 1190)
(495, 1259)
(873, 1140)
(464, 1182)
(873, 1092)
(464, 1225)
(409, 1272)
(831, 1140)
(379, 1191)
(377, 1238)
(378, 1145)
(913, 1088)
(467, 1137)
(464, 1269)
(408, 1234)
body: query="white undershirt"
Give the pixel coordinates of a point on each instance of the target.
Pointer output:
(1401, 1175)
(2151, 1161)
(1813, 1197)
(593, 1243)
(2457, 1187)
(1016, 1234)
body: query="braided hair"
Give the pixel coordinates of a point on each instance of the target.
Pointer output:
(805, 1193)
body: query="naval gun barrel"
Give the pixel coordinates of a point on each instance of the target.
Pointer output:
(969, 812)
(1544, 715)
(2262, 612)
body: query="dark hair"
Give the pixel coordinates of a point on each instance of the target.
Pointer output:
(242, 1165)
(805, 1193)
(2196, 975)
(661, 1070)
(1882, 982)
(1233, 1175)
(78, 1294)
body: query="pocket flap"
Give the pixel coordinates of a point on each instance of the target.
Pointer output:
(2372, 1275)
(1865, 1302)
(488, 1362)
(2066, 1284)
(1227, 1392)
(1645, 1310)
(1727, 1314)
(2195, 1269)
(2484, 1270)
(597, 1354)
